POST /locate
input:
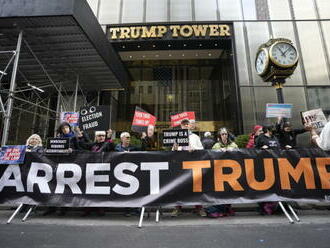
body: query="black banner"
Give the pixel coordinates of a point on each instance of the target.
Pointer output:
(135, 179)
(96, 118)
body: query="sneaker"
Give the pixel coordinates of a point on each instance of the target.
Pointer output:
(176, 212)
(201, 212)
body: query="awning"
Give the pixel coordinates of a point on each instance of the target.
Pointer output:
(66, 38)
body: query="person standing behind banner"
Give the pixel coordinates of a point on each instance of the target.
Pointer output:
(322, 140)
(267, 140)
(34, 143)
(224, 143)
(148, 140)
(194, 144)
(125, 145)
(65, 131)
(286, 135)
(99, 145)
(208, 141)
(257, 130)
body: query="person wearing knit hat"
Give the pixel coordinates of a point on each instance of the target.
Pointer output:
(257, 130)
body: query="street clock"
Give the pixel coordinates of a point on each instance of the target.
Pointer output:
(276, 60)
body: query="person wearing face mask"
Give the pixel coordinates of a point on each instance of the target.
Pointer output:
(257, 130)
(34, 143)
(287, 135)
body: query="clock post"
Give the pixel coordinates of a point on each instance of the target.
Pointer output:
(276, 60)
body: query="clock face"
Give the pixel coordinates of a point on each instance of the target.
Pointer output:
(262, 61)
(283, 54)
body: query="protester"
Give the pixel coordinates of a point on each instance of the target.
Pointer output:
(148, 139)
(286, 135)
(257, 130)
(34, 143)
(125, 145)
(322, 140)
(109, 136)
(208, 141)
(224, 144)
(267, 140)
(100, 144)
(194, 140)
(224, 141)
(194, 144)
(65, 131)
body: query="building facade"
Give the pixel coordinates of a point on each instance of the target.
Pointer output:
(216, 81)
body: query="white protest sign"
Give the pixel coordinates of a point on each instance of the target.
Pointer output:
(314, 117)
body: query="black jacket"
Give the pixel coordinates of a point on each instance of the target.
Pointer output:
(271, 142)
(208, 143)
(288, 138)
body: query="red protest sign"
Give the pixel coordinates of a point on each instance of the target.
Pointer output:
(142, 120)
(176, 119)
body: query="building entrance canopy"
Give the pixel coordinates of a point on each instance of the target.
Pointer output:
(66, 38)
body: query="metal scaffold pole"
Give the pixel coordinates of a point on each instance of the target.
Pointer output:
(11, 92)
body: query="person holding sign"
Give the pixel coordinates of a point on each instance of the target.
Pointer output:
(286, 135)
(148, 139)
(194, 140)
(322, 140)
(194, 144)
(100, 144)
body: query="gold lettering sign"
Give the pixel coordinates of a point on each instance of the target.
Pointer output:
(159, 31)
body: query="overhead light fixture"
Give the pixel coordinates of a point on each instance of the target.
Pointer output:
(3, 73)
(35, 88)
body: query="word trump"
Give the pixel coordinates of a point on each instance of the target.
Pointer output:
(137, 32)
(288, 172)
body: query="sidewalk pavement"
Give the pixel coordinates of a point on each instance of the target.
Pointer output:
(246, 215)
